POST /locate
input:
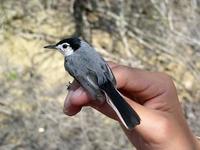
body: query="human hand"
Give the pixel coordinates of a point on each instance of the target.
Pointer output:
(153, 96)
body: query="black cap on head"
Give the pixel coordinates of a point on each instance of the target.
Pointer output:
(74, 42)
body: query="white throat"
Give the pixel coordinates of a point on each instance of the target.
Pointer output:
(69, 51)
(65, 51)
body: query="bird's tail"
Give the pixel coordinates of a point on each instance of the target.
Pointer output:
(124, 111)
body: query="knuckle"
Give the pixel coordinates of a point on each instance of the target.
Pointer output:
(121, 67)
(165, 78)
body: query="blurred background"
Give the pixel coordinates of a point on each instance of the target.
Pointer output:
(148, 34)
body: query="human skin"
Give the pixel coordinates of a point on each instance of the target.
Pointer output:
(153, 96)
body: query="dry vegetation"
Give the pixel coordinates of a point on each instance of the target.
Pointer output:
(150, 34)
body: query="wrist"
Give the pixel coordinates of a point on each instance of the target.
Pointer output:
(193, 143)
(190, 142)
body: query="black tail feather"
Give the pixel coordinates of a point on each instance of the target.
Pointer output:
(124, 111)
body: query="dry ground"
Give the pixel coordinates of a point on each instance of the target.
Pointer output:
(153, 35)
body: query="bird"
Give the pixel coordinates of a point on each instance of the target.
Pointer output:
(92, 72)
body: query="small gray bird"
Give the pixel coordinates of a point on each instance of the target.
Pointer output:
(95, 76)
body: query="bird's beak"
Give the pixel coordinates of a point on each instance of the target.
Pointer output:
(51, 46)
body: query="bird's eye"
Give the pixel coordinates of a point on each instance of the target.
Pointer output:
(64, 45)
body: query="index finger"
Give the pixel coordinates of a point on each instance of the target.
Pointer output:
(138, 84)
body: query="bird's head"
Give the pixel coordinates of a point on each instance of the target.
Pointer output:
(66, 46)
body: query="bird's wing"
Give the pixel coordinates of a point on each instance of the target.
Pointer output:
(111, 75)
(90, 66)
(85, 75)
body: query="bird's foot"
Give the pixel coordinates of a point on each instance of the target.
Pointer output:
(69, 85)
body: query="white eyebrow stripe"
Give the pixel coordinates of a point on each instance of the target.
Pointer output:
(66, 44)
